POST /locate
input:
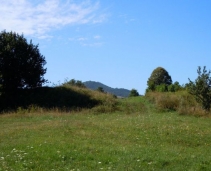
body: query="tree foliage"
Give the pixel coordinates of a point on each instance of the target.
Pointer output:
(21, 64)
(76, 83)
(133, 93)
(174, 87)
(162, 88)
(159, 76)
(201, 88)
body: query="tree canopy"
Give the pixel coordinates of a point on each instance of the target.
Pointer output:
(159, 76)
(133, 93)
(21, 64)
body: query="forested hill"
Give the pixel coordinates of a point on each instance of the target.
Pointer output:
(116, 91)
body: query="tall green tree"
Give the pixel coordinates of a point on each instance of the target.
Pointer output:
(201, 88)
(159, 76)
(21, 64)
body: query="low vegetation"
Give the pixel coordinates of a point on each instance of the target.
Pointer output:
(182, 102)
(134, 137)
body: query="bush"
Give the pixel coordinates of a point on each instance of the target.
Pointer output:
(171, 88)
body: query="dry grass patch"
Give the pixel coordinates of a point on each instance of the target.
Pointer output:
(181, 101)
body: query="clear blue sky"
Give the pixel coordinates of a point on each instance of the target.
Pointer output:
(118, 43)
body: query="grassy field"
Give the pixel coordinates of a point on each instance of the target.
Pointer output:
(134, 138)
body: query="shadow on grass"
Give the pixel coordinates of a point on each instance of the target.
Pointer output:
(47, 97)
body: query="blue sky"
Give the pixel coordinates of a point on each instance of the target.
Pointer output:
(118, 43)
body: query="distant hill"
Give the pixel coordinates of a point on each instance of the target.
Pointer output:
(116, 91)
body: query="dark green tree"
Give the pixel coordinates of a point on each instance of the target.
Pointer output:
(159, 76)
(133, 93)
(201, 88)
(21, 64)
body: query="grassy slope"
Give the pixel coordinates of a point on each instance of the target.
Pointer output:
(134, 139)
(63, 98)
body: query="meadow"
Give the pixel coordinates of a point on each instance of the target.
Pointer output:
(134, 136)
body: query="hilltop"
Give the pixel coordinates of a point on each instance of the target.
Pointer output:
(116, 91)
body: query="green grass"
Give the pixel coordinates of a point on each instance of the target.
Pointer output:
(134, 138)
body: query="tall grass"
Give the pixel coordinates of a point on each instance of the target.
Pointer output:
(180, 101)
